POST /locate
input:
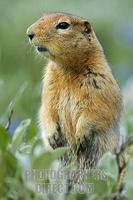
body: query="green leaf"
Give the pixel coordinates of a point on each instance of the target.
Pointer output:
(108, 163)
(57, 153)
(11, 162)
(14, 101)
(9, 165)
(36, 144)
(25, 149)
(4, 139)
(32, 132)
(44, 160)
(20, 134)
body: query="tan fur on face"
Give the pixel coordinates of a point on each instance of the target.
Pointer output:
(57, 41)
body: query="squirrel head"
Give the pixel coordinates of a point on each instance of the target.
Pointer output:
(67, 39)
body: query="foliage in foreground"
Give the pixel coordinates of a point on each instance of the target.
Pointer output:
(28, 171)
(24, 161)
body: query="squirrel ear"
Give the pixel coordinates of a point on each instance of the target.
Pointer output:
(87, 28)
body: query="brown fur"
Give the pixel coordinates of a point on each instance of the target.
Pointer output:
(81, 101)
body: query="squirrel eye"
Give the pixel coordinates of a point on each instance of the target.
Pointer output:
(62, 25)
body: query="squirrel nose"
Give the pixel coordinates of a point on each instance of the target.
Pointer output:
(31, 36)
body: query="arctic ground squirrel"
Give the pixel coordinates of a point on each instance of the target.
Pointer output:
(81, 101)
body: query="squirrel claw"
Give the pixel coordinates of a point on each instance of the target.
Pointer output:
(56, 140)
(53, 140)
(83, 146)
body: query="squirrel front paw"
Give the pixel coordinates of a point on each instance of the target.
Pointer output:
(57, 139)
(91, 149)
(89, 143)
(82, 145)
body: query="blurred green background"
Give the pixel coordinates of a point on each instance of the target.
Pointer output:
(19, 64)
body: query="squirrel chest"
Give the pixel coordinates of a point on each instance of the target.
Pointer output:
(77, 95)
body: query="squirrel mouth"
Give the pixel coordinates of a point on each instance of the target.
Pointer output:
(42, 49)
